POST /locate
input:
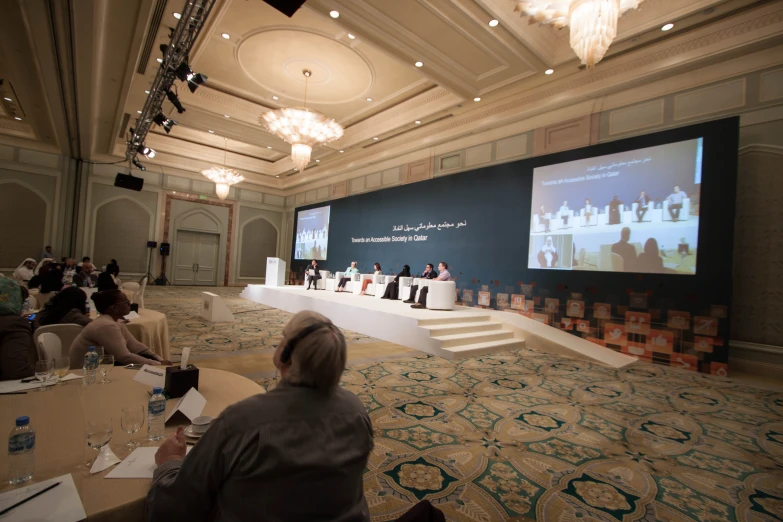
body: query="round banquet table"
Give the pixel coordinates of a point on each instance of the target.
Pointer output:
(151, 329)
(60, 416)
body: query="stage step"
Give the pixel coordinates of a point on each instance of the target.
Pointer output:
(451, 341)
(460, 328)
(458, 318)
(476, 349)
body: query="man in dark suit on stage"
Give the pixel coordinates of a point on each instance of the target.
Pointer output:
(429, 273)
(626, 250)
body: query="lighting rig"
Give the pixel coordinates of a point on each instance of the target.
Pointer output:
(174, 67)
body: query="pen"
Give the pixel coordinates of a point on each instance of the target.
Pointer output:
(6, 510)
(14, 393)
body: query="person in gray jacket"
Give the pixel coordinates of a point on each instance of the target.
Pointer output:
(297, 452)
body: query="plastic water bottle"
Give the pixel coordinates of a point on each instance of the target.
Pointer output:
(21, 452)
(90, 366)
(156, 411)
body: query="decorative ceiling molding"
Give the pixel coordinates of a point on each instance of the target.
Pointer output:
(762, 148)
(16, 128)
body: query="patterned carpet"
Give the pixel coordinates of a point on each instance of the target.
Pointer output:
(530, 436)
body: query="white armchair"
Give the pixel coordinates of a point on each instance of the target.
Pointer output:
(356, 287)
(685, 211)
(405, 292)
(405, 287)
(381, 282)
(537, 225)
(593, 217)
(441, 295)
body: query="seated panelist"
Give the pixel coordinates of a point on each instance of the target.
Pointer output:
(642, 205)
(443, 275)
(366, 282)
(429, 273)
(565, 212)
(393, 288)
(315, 276)
(348, 273)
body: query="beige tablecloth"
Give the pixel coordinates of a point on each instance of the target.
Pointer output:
(59, 417)
(150, 329)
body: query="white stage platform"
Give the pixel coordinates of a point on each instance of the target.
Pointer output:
(463, 332)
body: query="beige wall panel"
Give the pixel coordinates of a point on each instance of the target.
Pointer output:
(6, 153)
(710, 100)
(203, 187)
(310, 196)
(356, 185)
(511, 147)
(478, 155)
(177, 183)
(300, 198)
(339, 190)
(41, 159)
(249, 195)
(418, 170)
(450, 162)
(122, 228)
(771, 86)
(562, 136)
(391, 176)
(636, 118)
(259, 241)
(20, 238)
(373, 180)
(273, 199)
(322, 193)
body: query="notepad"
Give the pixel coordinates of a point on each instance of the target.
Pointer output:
(61, 504)
(139, 464)
(12, 386)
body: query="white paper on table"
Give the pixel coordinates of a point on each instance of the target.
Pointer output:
(61, 504)
(105, 460)
(131, 316)
(18, 385)
(139, 464)
(154, 376)
(190, 405)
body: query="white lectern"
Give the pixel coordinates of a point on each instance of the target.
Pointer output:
(275, 272)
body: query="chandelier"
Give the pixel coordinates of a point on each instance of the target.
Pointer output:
(302, 128)
(593, 22)
(223, 177)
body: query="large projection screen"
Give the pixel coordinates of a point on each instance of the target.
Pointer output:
(634, 211)
(312, 233)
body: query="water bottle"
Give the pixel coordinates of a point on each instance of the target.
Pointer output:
(156, 413)
(21, 452)
(90, 366)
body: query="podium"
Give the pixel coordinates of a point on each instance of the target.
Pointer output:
(275, 272)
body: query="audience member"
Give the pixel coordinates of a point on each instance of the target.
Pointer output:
(43, 266)
(82, 277)
(315, 276)
(307, 434)
(443, 275)
(626, 250)
(52, 281)
(17, 350)
(66, 307)
(106, 282)
(393, 288)
(348, 273)
(366, 282)
(109, 331)
(650, 260)
(47, 253)
(85, 259)
(429, 273)
(24, 272)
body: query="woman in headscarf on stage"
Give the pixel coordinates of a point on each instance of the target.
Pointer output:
(393, 288)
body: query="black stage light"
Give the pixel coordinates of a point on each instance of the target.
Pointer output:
(160, 119)
(146, 151)
(183, 71)
(168, 124)
(175, 101)
(138, 164)
(194, 80)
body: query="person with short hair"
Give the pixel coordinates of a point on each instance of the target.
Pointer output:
(66, 307)
(626, 250)
(642, 205)
(83, 277)
(47, 253)
(429, 273)
(347, 277)
(675, 200)
(542, 219)
(565, 212)
(366, 282)
(443, 275)
(315, 276)
(110, 332)
(53, 280)
(17, 349)
(308, 436)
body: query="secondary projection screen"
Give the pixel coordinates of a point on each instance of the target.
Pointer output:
(634, 211)
(312, 233)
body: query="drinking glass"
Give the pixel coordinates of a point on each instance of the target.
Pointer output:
(99, 432)
(131, 422)
(62, 365)
(99, 351)
(43, 372)
(107, 363)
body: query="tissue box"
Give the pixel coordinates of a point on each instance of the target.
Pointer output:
(179, 381)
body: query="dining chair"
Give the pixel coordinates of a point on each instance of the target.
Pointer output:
(49, 347)
(66, 333)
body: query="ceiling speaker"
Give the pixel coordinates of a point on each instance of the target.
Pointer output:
(127, 181)
(287, 7)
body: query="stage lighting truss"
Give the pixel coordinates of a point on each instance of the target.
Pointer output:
(138, 165)
(184, 35)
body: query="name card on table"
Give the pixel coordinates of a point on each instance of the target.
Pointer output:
(154, 376)
(190, 405)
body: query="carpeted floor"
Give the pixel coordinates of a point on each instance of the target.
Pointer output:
(526, 435)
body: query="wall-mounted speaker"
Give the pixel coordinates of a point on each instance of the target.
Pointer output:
(127, 181)
(287, 7)
(152, 244)
(165, 248)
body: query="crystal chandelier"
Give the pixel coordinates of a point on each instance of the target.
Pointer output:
(302, 128)
(593, 22)
(223, 177)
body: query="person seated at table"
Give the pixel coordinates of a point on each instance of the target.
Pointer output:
(650, 260)
(66, 307)
(348, 273)
(626, 250)
(17, 350)
(308, 436)
(82, 276)
(315, 276)
(24, 272)
(443, 275)
(393, 288)
(113, 269)
(85, 259)
(52, 281)
(366, 282)
(110, 332)
(106, 282)
(429, 273)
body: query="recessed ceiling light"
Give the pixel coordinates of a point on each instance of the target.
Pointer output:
(146, 92)
(318, 161)
(334, 14)
(417, 122)
(549, 71)
(17, 118)
(211, 131)
(160, 60)
(667, 27)
(342, 151)
(226, 36)
(275, 98)
(174, 192)
(139, 112)
(351, 36)
(7, 99)
(226, 115)
(268, 147)
(476, 99)
(493, 23)
(369, 99)
(277, 176)
(177, 16)
(376, 138)
(418, 64)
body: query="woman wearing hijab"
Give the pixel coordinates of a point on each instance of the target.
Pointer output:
(393, 288)
(17, 350)
(547, 257)
(67, 307)
(24, 272)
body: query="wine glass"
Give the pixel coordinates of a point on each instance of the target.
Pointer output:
(62, 365)
(43, 372)
(99, 432)
(106, 365)
(131, 422)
